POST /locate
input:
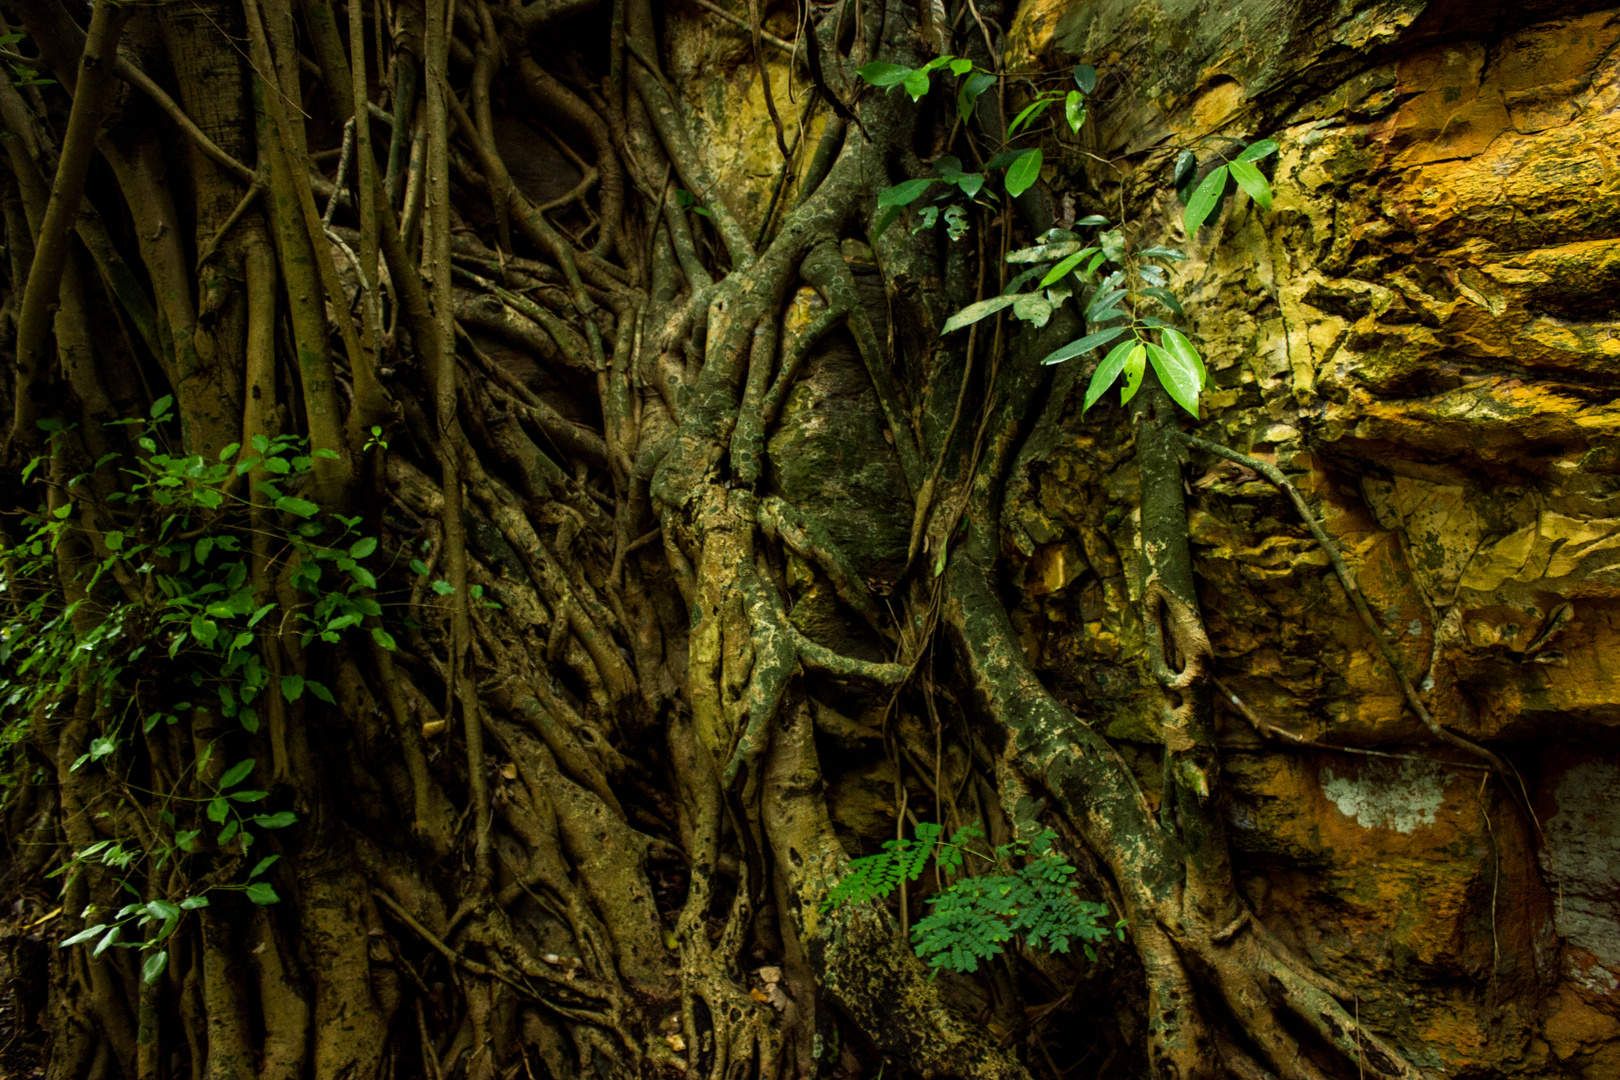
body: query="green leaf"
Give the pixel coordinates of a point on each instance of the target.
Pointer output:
(363, 577)
(1028, 116)
(1176, 344)
(1022, 174)
(444, 588)
(249, 796)
(961, 66)
(1135, 368)
(152, 970)
(292, 687)
(160, 407)
(107, 941)
(261, 893)
(316, 690)
(275, 821)
(217, 810)
(192, 903)
(1084, 345)
(1033, 308)
(263, 864)
(114, 540)
(1056, 249)
(1253, 184)
(916, 83)
(881, 74)
(203, 629)
(972, 87)
(1074, 110)
(1180, 380)
(302, 507)
(83, 935)
(1182, 175)
(362, 547)
(885, 220)
(1257, 150)
(1107, 372)
(236, 774)
(383, 638)
(974, 312)
(1165, 297)
(1058, 272)
(906, 193)
(1085, 77)
(1204, 200)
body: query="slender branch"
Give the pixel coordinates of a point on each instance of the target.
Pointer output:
(139, 79)
(752, 28)
(52, 245)
(1347, 578)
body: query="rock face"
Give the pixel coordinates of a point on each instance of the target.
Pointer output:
(1422, 331)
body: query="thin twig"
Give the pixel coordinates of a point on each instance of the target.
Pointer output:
(1348, 580)
(1266, 729)
(143, 82)
(765, 35)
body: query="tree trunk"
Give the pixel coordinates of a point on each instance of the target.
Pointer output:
(498, 522)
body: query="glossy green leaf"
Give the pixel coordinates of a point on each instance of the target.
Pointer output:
(1022, 174)
(152, 969)
(292, 687)
(1058, 272)
(1135, 368)
(1084, 345)
(302, 507)
(275, 821)
(1107, 372)
(236, 774)
(84, 935)
(974, 312)
(1074, 110)
(1253, 183)
(1257, 150)
(1165, 297)
(1176, 344)
(972, 87)
(1085, 77)
(1204, 200)
(1029, 115)
(261, 893)
(906, 193)
(881, 74)
(916, 83)
(1180, 380)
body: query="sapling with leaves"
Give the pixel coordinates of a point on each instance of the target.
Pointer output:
(1021, 167)
(180, 587)
(1027, 892)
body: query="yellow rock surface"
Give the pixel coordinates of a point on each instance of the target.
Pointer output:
(1423, 331)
